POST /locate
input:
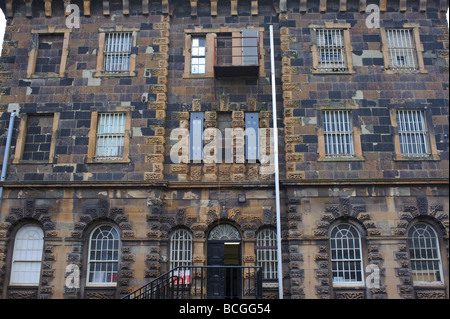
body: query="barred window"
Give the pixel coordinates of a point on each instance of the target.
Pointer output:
(266, 253)
(412, 133)
(338, 134)
(110, 136)
(331, 50)
(103, 260)
(198, 55)
(401, 49)
(346, 258)
(424, 254)
(117, 52)
(27, 256)
(180, 248)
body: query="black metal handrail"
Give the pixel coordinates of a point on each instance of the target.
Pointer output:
(191, 282)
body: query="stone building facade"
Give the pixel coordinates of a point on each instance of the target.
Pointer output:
(347, 98)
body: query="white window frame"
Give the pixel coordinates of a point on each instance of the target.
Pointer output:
(180, 248)
(110, 140)
(422, 238)
(338, 134)
(266, 253)
(117, 53)
(27, 256)
(401, 44)
(344, 256)
(327, 49)
(413, 133)
(111, 262)
(198, 55)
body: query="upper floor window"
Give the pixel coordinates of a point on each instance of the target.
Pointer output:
(424, 254)
(37, 138)
(346, 255)
(228, 52)
(402, 50)
(117, 53)
(412, 132)
(266, 253)
(27, 256)
(330, 44)
(48, 55)
(331, 49)
(110, 136)
(103, 263)
(198, 55)
(338, 133)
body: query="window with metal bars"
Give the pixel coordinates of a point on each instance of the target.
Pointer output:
(198, 55)
(412, 133)
(180, 248)
(346, 257)
(424, 254)
(401, 48)
(338, 133)
(110, 136)
(266, 253)
(103, 263)
(117, 52)
(331, 50)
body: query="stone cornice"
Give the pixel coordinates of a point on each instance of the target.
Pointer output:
(167, 6)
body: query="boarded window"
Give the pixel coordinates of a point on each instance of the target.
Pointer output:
(38, 138)
(48, 59)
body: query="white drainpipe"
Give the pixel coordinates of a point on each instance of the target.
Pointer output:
(277, 177)
(6, 156)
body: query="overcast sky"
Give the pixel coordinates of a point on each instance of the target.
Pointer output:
(3, 21)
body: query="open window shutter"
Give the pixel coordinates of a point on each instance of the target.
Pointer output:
(250, 47)
(252, 136)
(196, 137)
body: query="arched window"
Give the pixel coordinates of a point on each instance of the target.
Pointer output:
(103, 263)
(27, 256)
(346, 257)
(266, 253)
(424, 254)
(180, 248)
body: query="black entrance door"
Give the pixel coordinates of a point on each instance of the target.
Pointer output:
(224, 280)
(216, 276)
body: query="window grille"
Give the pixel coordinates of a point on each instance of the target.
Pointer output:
(27, 256)
(180, 249)
(346, 258)
(103, 256)
(117, 52)
(424, 254)
(198, 55)
(331, 50)
(401, 49)
(338, 134)
(266, 253)
(110, 136)
(412, 133)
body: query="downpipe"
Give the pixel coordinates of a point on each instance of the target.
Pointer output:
(6, 155)
(277, 177)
